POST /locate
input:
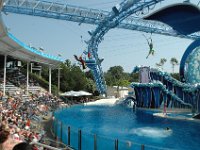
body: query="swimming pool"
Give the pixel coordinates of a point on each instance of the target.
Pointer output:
(131, 129)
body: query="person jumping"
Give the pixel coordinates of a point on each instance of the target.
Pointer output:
(150, 43)
(80, 59)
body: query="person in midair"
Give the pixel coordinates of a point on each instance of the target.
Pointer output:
(165, 109)
(151, 50)
(150, 43)
(80, 59)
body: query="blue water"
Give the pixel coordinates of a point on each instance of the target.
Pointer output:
(131, 129)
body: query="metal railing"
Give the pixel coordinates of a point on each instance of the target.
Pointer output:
(44, 146)
(79, 139)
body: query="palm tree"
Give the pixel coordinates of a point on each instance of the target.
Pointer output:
(161, 63)
(174, 62)
(158, 65)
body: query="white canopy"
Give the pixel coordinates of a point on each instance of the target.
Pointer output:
(76, 93)
(84, 93)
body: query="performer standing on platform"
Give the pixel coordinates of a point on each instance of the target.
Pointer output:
(165, 109)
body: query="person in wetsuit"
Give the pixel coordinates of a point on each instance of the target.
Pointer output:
(151, 50)
(80, 59)
(150, 44)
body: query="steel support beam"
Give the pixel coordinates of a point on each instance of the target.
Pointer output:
(90, 16)
(119, 17)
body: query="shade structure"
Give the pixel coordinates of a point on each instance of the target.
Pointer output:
(84, 93)
(11, 46)
(76, 93)
(70, 93)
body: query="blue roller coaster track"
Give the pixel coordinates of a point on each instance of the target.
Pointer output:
(119, 17)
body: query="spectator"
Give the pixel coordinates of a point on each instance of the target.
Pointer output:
(4, 134)
(1, 95)
(22, 146)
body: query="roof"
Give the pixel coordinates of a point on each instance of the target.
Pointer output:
(184, 17)
(11, 46)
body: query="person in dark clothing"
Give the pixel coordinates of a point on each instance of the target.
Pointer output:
(22, 146)
(80, 59)
(151, 50)
(150, 44)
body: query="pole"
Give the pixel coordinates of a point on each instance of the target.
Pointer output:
(61, 131)
(31, 67)
(68, 136)
(142, 147)
(116, 144)
(49, 80)
(27, 78)
(95, 142)
(197, 105)
(40, 72)
(79, 140)
(58, 80)
(4, 76)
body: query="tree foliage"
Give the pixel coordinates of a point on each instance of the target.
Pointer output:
(113, 75)
(116, 76)
(161, 63)
(71, 77)
(134, 77)
(173, 62)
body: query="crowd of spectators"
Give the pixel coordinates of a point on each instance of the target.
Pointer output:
(16, 77)
(21, 118)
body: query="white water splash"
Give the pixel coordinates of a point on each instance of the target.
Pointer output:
(86, 110)
(151, 132)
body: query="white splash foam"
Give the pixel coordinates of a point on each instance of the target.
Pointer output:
(109, 102)
(151, 132)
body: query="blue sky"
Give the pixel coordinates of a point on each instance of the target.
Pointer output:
(120, 47)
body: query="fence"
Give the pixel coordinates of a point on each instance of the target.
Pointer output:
(81, 140)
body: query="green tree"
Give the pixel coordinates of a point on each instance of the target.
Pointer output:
(45, 73)
(173, 62)
(113, 75)
(90, 85)
(116, 76)
(65, 77)
(123, 82)
(89, 75)
(134, 77)
(78, 79)
(71, 77)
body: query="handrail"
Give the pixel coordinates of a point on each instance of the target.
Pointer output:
(49, 147)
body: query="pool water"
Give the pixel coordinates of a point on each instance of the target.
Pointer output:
(131, 128)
